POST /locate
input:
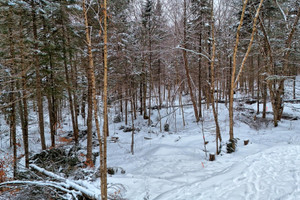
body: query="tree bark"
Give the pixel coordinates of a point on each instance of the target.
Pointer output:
(105, 128)
(258, 82)
(234, 80)
(231, 137)
(212, 78)
(90, 73)
(23, 94)
(186, 66)
(132, 124)
(12, 98)
(144, 83)
(39, 97)
(69, 84)
(199, 75)
(126, 105)
(52, 107)
(12, 128)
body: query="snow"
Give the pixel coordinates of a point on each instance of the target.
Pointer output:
(173, 165)
(270, 174)
(193, 52)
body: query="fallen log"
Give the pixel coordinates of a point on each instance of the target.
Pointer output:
(69, 184)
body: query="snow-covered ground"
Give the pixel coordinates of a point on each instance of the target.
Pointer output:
(173, 165)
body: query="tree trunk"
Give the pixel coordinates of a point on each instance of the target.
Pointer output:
(24, 119)
(105, 134)
(132, 125)
(12, 127)
(212, 78)
(74, 82)
(144, 89)
(90, 73)
(251, 78)
(141, 95)
(134, 102)
(294, 86)
(186, 63)
(52, 107)
(69, 84)
(83, 103)
(159, 83)
(12, 98)
(199, 76)
(265, 93)
(234, 81)
(39, 97)
(126, 106)
(150, 77)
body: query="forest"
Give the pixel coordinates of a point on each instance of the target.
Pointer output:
(149, 99)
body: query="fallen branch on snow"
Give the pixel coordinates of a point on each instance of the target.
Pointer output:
(59, 186)
(69, 184)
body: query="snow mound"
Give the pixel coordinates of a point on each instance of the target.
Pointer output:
(271, 174)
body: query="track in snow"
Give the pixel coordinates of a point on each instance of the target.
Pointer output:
(271, 174)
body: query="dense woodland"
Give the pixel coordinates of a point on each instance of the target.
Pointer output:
(129, 57)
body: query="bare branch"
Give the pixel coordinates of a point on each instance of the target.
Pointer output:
(194, 52)
(282, 12)
(59, 186)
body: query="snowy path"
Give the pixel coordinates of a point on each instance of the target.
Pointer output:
(271, 174)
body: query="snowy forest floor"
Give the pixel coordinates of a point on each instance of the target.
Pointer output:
(173, 165)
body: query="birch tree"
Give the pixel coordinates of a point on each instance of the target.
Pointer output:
(234, 78)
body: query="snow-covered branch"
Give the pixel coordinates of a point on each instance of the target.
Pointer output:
(282, 12)
(69, 184)
(194, 52)
(59, 186)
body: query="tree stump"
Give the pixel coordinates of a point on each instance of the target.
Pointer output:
(212, 157)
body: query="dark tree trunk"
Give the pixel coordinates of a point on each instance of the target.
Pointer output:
(199, 76)
(39, 97)
(12, 127)
(69, 84)
(258, 82)
(23, 95)
(186, 66)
